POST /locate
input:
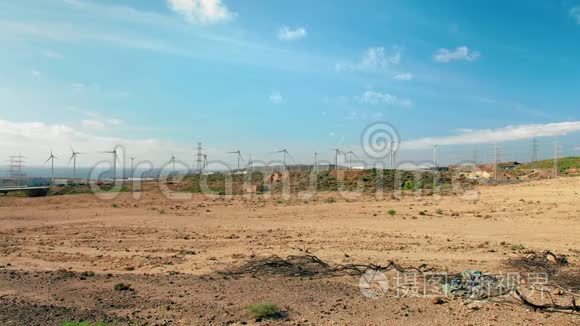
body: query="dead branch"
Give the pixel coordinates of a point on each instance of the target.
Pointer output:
(544, 307)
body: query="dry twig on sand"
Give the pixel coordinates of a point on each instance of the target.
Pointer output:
(310, 266)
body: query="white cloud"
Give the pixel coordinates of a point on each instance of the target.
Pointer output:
(93, 124)
(287, 34)
(35, 72)
(276, 97)
(35, 139)
(202, 11)
(53, 55)
(404, 76)
(575, 13)
(460, 53)
(375, 98)
(490, 136)
(374, 59)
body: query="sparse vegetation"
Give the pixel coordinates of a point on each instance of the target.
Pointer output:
(162, 211)
(114, 205)
(122, 287)
(83, 323)
(265, 311)
(330, 200)
(517, 246)
(392, 212)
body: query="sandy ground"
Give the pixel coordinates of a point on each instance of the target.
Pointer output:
(171, 251)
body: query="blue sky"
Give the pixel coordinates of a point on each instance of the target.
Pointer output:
(158, 76)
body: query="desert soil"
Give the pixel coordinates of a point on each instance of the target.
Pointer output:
(171, 252)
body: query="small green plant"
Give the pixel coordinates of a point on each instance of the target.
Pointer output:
(122, 287)
(439, 211)
(330, 200)
(162, 211)
(87, 274)
(392, 212)
(83, 323)
(265, 310)
(518, 246)
(114, 205)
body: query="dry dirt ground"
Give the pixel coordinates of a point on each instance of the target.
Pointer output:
(171, 252)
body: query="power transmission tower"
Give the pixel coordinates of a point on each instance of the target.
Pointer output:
(336, 153)
(534, 151)
(199, 158)
(15, 165)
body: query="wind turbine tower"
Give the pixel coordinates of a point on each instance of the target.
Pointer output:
(172, 161)
(51, 159)
(284, 152)
(132, 167)
(114, 152)
(73, 158)
(315, 162)
(239, 156)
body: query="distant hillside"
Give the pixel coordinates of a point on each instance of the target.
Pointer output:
(564, 164)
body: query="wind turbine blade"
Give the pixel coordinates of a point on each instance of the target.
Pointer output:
(46, 161)
(71, 158)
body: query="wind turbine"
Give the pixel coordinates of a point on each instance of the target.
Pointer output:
(114, 152)
(51, 159)
(132, 170)
(315, 162)
(172, 160)
(435, 156)
(204, 161)
(239, 154)
(336, 153)
(350, 154)
(73, 158)
(285, 152)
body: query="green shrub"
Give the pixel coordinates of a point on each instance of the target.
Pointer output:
(518, 246)
(83, 323)
(265, 310)
(392, 212)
